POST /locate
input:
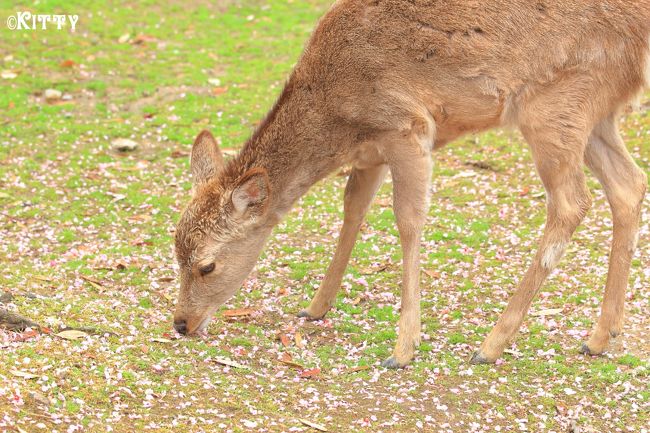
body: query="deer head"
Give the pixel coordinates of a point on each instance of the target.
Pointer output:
(220, 234)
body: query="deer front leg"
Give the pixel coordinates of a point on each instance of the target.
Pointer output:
(361, 188)
(411, 179)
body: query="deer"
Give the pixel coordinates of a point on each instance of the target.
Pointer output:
(382, 84)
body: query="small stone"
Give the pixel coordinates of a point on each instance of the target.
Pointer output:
(8, 75)
(53, 95)
(124, 145)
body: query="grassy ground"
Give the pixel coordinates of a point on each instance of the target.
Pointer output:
(86, 242)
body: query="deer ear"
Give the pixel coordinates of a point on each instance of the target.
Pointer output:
(251, 195)
(206, 159)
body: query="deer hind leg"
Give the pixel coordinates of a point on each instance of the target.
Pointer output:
(558, 153)
(625, 186)
(361, 188)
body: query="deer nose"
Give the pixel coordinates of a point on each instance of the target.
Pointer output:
(180, 326)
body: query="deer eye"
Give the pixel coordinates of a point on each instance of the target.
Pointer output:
(205, 270)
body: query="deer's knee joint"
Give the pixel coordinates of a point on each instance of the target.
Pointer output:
(569, 212)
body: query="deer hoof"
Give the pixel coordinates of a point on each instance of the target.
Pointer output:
(477, 359)
(392, 363)
(304, 314)
(585, 350)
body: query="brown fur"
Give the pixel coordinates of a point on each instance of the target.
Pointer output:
(380, 84)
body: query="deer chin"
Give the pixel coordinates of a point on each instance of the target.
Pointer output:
(200, 325)
(203, 326)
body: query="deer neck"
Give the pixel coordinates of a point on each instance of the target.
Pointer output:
(295, 146)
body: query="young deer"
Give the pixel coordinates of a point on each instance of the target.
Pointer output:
(381, 84)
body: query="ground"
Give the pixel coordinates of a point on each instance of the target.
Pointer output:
(86, 242)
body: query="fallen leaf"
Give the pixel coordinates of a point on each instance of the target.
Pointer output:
(547, 312)
(219, 90)
(433, 274)
(161, 340)
(312, 372)
(23, 374)
(288, 360)
(25, 336)
(140, 39)
(524, 191)
(179, 154)
(284, 339)
(67, 63)
(299, 341)
(313, 425)
(71, 334)
(139, 242)
(229, 363)
(93, 282)
(560, 407)
(140, 218)
(355, 369)
(238, 312)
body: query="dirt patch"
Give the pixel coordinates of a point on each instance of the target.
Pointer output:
(163, 96)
